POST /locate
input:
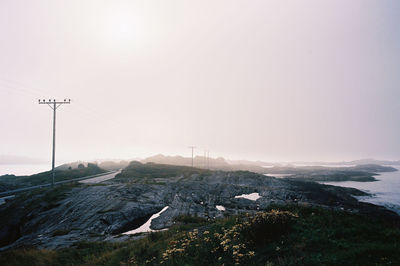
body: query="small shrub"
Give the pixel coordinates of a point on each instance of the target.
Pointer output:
(188, 219)
(267, 226)
(234, 244)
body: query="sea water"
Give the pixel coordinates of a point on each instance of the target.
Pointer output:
(23, 169)
(384, 192)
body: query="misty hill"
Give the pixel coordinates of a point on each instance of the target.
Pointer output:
(73, 165)
(106, 165)
(373, 161)
(198, 161)
(367, 168)
(247, 162)
(203, 162)
(316, 163)
(344, 163)
(113, 165)
(360, 173)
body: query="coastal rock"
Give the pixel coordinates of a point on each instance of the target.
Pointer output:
(102, 212)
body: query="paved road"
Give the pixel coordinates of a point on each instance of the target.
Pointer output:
(99, 179)
(108, 174)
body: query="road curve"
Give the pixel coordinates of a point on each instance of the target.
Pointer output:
(103, 177)
(99, 179)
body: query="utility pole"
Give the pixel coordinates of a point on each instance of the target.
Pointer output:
(208, 159)
(205, 159)
(192, 147)
(54, 105)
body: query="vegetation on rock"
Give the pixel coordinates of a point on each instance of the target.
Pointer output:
(152, 170)
(290, 235)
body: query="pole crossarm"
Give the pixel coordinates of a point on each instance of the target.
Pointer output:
(54, 102)
(41, 102)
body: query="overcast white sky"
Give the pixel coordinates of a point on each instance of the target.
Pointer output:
(270, 80)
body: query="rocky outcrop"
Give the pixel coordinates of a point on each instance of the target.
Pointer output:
(102, 212)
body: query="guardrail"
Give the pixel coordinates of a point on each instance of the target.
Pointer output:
(5, 193)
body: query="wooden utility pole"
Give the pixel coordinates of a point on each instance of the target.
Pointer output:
(54, 105)
(192, 147)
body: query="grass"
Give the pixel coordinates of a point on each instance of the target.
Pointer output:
(289, 235)
(148, 171)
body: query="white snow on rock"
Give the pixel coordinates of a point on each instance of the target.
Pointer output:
(252, 196)
(220, 207)
(146, 226)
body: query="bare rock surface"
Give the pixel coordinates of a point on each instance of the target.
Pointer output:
(104, 212)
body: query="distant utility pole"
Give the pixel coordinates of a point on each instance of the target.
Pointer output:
(205, 159)
(208, 159)
(54, 105)
(192, 147)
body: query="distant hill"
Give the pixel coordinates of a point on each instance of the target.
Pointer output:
(373, 161)
(106, 165)
(267, 167)
(113, 165)
(198, 161)
(203, 162)
(349, 163)
(317, 163)
(72, 165)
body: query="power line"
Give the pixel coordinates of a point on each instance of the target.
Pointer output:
(85, 112)
(54, 105)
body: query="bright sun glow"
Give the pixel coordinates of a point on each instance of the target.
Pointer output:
(120, 28)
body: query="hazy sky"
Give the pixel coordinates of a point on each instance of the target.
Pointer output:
(270, 80)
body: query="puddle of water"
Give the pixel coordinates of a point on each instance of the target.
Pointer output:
(146, 226)
(252, 196)
(220, 207)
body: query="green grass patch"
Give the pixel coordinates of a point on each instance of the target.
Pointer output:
(289, 235)
(148, 171)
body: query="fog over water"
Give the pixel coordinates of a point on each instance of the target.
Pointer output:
(385, 191)
(261, 80)
(23, 169)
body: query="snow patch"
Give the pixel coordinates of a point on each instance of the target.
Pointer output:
(252, 196)
(146, 226)
(220, 207)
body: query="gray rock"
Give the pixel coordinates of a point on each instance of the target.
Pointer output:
(101, 213)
